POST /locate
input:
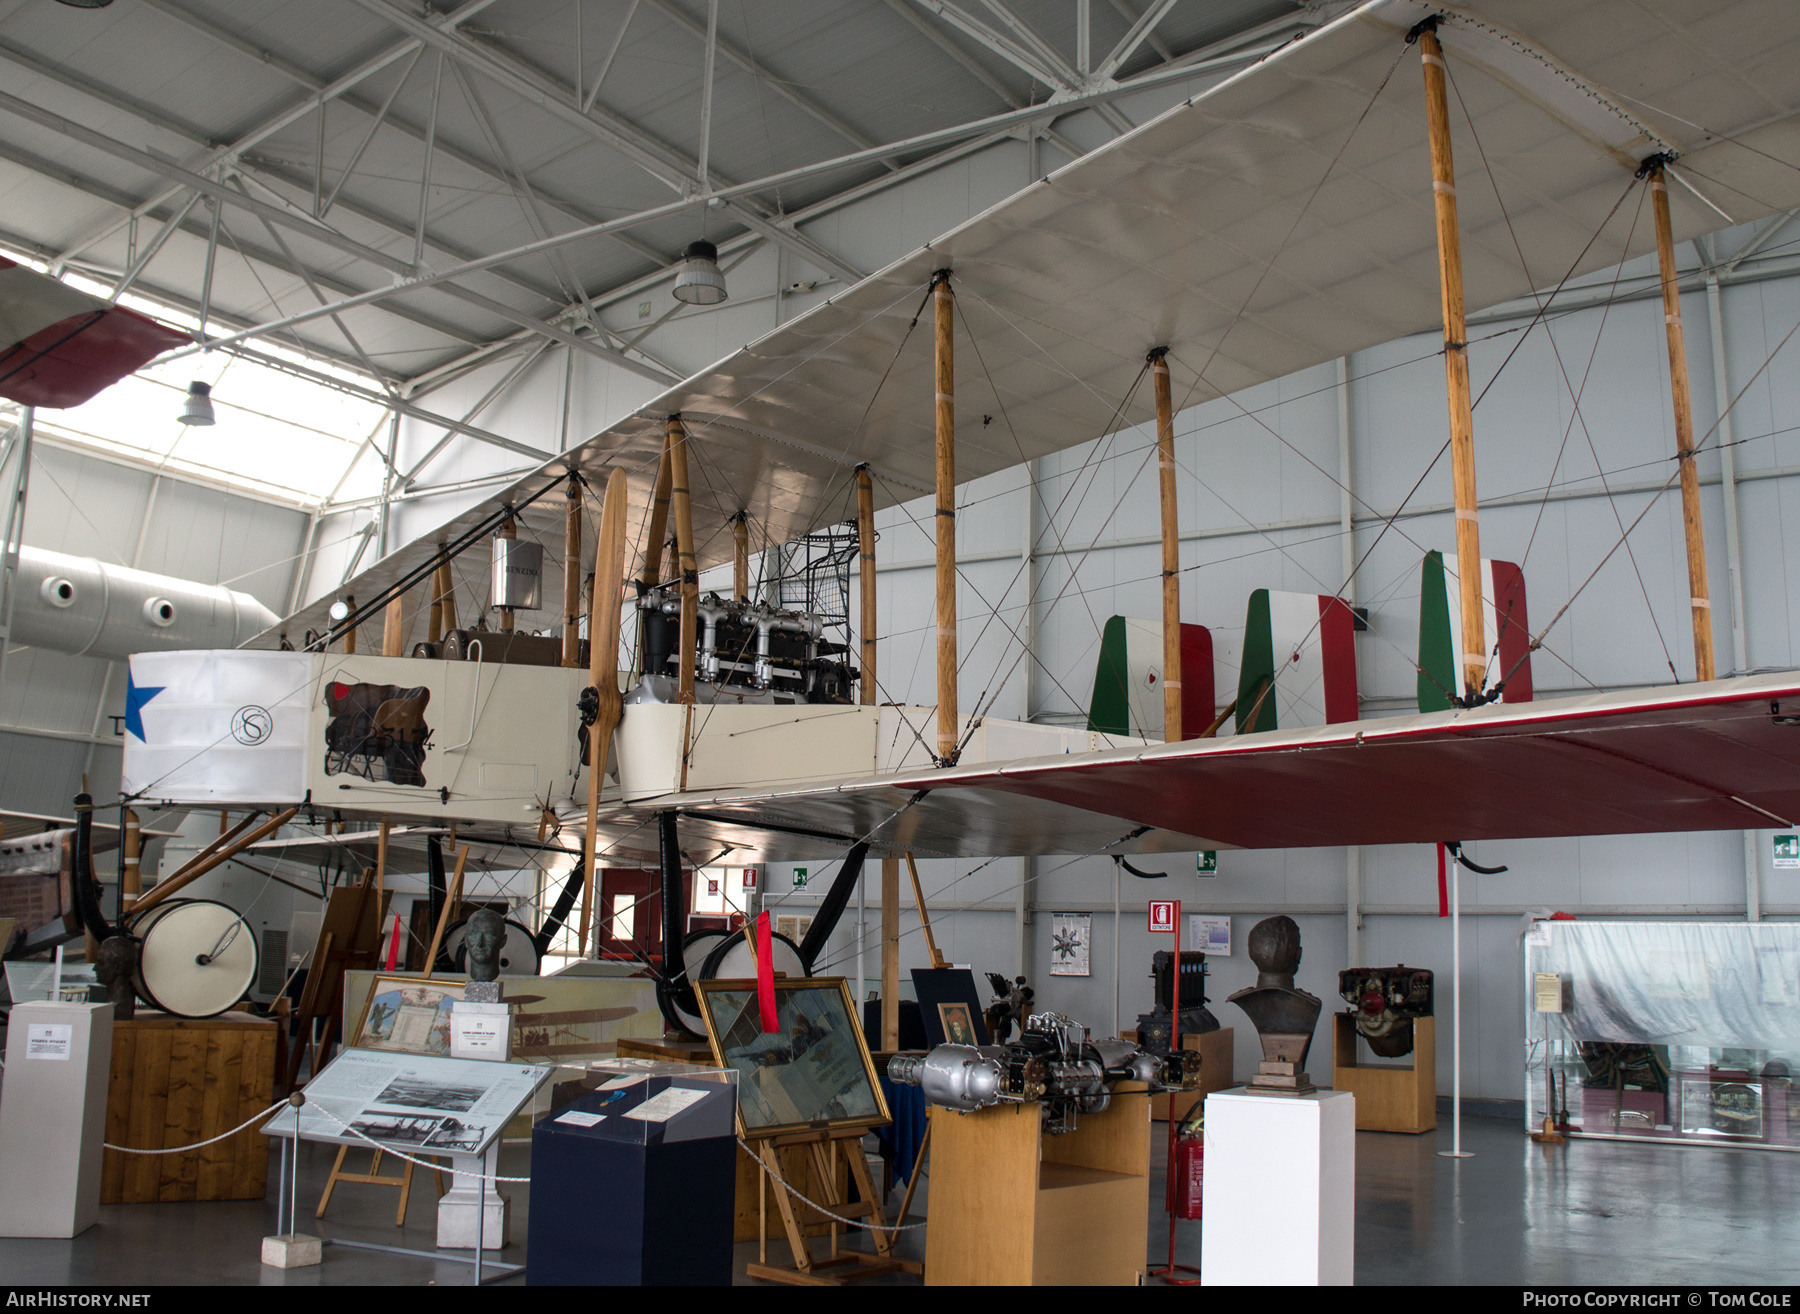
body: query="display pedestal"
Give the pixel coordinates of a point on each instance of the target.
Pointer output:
(666, 1202)
(1280, 1190)
(456, 1221)
(1389, 1098)
(53, 1119)
(1013, 1207)
(179, 1081)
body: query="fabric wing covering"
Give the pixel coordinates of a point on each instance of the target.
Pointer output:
(59, 346)
(1278, 220)
(1717, 756)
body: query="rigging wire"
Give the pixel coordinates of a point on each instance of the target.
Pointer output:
(1575, 394)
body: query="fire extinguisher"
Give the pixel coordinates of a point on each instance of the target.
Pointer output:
(1186, 1168)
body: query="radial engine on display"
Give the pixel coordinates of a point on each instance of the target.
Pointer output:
(1054, 1062)
(1384, 1002)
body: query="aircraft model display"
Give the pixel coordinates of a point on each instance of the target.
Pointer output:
(1295, 212)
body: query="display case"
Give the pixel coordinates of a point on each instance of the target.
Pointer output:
(1673, 1031)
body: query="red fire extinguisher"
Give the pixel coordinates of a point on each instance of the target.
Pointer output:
(1186, 1170)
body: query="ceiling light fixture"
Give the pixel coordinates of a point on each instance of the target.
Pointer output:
(699, 282)
(198, 408)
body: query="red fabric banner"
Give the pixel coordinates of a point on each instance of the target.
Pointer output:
(765, 973)
(1443, 884)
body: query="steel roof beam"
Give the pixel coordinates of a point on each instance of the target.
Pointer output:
(1140, 31)
(799, 99)
(317, 232)
(656, 157)
(1036, 57)
(100, 191)
(192, 135)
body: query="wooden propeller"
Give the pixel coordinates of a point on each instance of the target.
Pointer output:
(603, 670)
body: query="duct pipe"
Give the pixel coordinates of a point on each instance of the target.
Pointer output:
(88, 607)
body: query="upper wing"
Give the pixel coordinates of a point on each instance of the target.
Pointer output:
(1280, 219)
(1716, 756)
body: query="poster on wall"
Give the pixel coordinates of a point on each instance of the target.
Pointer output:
(1209, 935)
(1071, 937)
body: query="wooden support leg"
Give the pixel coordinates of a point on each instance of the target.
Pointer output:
(802, 1252)
(405, 1192)
(865, 1187)
(824, 1165)
(331, 1182)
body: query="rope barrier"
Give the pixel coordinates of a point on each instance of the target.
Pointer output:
(813, 1204)
(224, 1136)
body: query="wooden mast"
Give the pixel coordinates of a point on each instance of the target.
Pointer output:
(446, 589)
(944, 307)
(603, 672)
(1171, 548)
(658, 532)
(740, 557)
(571, 637)
(1456, 363)
(865, 540)
(1699, 602)
(682, 506)
(435, 628)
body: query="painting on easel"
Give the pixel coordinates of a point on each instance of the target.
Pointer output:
(407, 1015)
(813, 1071)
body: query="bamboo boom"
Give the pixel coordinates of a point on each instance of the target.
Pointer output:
(944, 306)
(571, 638)
(200, 866)
(350, 634)
(447, 595)
(912, 870)
(865, 538)
(658, 533)
(1700, 604)
(1171, 549)
(682, 505)
(603, 672)
(890, 954)
(1456, 366)
(452, 898)
(740, 558)
(393, 628)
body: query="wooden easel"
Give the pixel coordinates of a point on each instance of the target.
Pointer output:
(375, 1177)
(349, 939)
(822, 1149)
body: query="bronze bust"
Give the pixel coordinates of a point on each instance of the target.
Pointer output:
(484, 935)
(1284, 1017)
(114, 968)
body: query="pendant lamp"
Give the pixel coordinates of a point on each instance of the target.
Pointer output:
(198, 408)
(699, 282)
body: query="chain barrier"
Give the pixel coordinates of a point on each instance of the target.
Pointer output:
(223, 1136)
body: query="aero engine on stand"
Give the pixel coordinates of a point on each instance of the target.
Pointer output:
(745, 652)
(1053, 1062)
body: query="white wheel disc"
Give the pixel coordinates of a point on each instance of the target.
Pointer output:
(177, 938)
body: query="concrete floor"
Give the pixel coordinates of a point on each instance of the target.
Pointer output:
(1589, 1213)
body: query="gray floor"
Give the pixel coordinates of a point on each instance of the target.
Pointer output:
(1588, 1213)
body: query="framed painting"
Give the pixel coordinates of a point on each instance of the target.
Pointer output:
(407, 1015)
(813, 1072)
(949, 1005)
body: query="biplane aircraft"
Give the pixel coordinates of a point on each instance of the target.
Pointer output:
(1296, 211)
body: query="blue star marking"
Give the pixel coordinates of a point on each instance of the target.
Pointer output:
(136, 696)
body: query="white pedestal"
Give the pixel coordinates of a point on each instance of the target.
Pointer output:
(456, 1211)
(1280, 1190)
(292, 1250)
(53, 1119)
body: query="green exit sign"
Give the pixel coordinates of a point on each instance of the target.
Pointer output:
(1207, 862)
(799, 877)
(1787, 851)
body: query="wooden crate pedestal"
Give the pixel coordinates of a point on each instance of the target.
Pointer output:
(1013, 1207)
(1389, 1098)
(178, 1081)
